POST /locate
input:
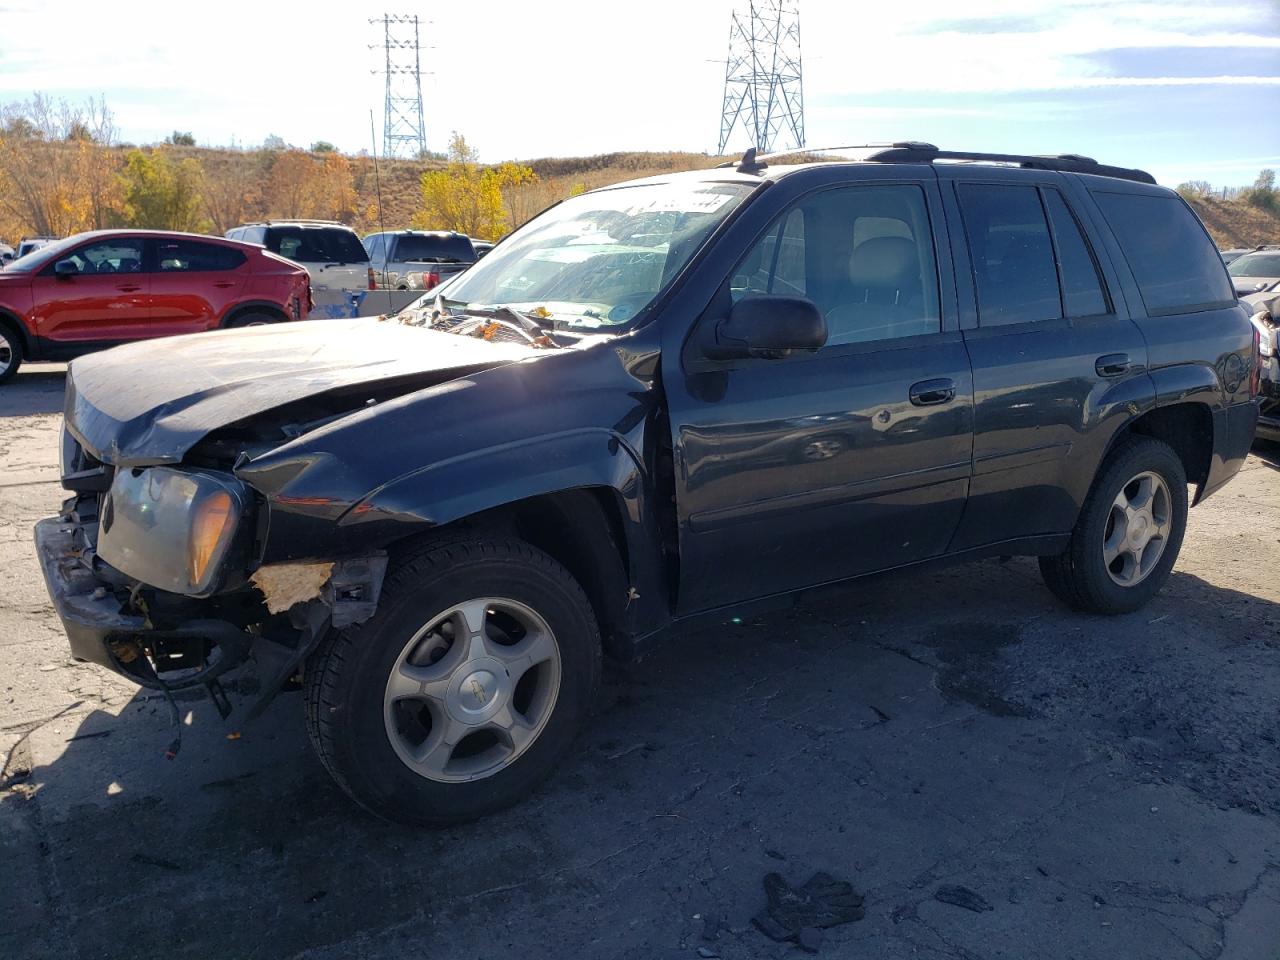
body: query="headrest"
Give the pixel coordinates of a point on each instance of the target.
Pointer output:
(884, 262)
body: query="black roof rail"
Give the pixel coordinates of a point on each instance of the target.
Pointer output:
(1065, 162)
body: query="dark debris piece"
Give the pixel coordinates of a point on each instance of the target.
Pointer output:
(809, 939)
(821, 901)
(962, 897)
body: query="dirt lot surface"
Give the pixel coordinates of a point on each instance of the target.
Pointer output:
(1110, 788)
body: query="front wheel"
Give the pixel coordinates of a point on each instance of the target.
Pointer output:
(10, 354)
(464, 690)
(1129, 532)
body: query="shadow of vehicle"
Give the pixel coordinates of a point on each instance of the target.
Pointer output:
(35, 390)
(955, 723)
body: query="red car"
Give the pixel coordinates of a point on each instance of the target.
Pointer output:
(98, 289)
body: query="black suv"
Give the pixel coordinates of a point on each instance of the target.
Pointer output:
(655, 403)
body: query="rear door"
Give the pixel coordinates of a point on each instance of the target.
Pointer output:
(1057, 361)
(104, 302)
(798, 471)
(192, 284)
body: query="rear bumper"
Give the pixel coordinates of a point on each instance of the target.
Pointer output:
(1233, 433)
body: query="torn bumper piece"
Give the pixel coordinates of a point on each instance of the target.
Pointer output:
(199, 649)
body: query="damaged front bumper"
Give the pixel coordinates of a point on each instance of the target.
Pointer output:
(197, 645)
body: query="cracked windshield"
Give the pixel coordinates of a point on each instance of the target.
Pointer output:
(595, 261)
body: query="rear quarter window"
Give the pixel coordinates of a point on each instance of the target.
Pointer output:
(1177, 267)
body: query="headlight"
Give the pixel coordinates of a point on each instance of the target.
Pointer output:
(171, 528)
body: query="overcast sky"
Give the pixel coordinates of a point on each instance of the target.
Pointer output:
(1187, 90)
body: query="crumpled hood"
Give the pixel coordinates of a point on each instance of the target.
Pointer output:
(151, 401)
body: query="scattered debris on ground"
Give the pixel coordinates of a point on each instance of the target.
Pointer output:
(821, 901)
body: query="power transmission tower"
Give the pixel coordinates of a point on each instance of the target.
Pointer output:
(763, 82)
(403, 126)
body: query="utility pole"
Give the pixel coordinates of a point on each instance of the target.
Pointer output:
(403, 129)
(763, 80)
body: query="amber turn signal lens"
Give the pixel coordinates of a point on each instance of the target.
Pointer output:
(210, 522)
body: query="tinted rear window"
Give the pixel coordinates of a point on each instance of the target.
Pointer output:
(1011, 252)
(194, 257)
(1175, 263)
(316, 244)
(434, 249)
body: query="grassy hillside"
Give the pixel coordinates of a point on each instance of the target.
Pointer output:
(1234, 223)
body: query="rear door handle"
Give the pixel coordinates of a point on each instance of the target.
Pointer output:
(928, 393)
(223, 284)
(1112, 365)
(130, 288)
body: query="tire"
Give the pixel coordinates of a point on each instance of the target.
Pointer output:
(10, 353)
(1081, 576)
(350, 709)
(251, 319)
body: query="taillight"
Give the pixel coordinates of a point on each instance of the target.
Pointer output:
(373, 283)
(430, 279)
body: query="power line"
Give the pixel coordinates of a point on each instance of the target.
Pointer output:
(403, 129)
(763, 79)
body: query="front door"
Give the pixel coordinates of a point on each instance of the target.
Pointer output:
(798, 471)
(104, 301)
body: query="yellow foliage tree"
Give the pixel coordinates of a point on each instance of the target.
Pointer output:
(467, 197)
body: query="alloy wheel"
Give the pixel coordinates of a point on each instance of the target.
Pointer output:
(1138, 529)
(472, 690)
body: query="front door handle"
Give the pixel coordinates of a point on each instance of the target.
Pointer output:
(928, 393)
(1112, 365)
(223, 284)
(129, 288)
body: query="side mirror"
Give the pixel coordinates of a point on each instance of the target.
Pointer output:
(66, 268)
(770, 328)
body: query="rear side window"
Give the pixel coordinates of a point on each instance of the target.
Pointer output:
(316, 244)
(413, 248)
(189, 256)
(374, 245)
(1082, 294)
(1175, 263)
(1012, 253)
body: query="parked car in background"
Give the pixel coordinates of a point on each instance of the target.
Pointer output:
(1228, 256)
(330, 251)
(30, 244)
(1256, 272)
(417, 259)
(99, 289)
(464, 507)
(482, 247)
(6, 255)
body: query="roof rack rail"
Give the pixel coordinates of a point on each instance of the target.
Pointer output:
(273, 220)
(1065, 162)
(747, 164)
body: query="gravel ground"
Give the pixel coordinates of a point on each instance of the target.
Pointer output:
(1109, 787)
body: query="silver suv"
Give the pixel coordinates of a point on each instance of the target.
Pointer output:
(330, 251)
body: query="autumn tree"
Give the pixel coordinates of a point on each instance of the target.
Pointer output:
(467, 197)
(301, 185)
(57, 168)
(232, 194)
(161, 193)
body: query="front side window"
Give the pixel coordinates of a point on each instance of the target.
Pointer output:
(191, 256)
(1011, 253)
(596, 261)
(864, 255)
(120, 255)
(374, 246)
(1175, 263)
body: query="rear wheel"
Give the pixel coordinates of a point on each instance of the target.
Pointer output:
(464, 690)
(1129, 532)
(10, 353)
(251, 320)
